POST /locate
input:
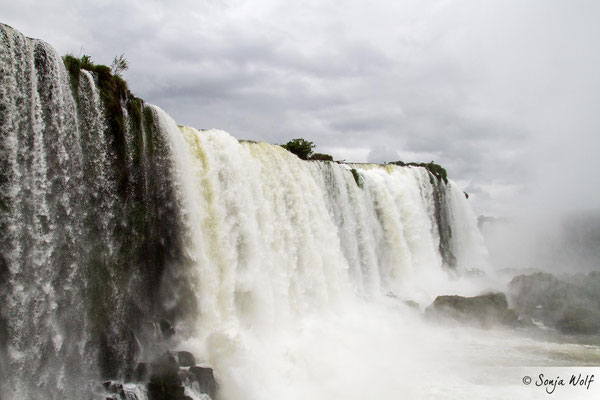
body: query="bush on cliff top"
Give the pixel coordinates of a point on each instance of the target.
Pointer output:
(110, 76)
(435, 169)
(114, 95)
(300, 147)
(321, 157)
(304, 150)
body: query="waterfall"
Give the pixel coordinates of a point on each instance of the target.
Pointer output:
(90, 228)
(117, 221)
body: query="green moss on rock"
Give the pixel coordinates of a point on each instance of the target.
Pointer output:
(357, 178)
(73, 66)
(434, 169)
(321, 157)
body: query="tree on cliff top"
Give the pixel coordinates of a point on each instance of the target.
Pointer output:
(300, 147)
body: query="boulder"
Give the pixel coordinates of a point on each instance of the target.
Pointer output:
(485, 310)
(206, 380)
(165, 382)
(186, 359)
(164, 364)
(569, 304)
(578, 320)
(114, 387)
(162, 388)
(166, 329)
(169, 373)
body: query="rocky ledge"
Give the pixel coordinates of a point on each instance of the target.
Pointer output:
(486, 310)
(569, 304)
(166, 378)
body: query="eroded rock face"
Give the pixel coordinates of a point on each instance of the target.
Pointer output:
(579, 320)
(206, 380)
(172, 372)
(486, 310)
(569, 304)
(168, 377)
(186, 359)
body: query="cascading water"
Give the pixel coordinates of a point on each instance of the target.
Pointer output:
(116, 221)
(90, 228)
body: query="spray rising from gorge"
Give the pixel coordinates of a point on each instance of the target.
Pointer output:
(127, 236)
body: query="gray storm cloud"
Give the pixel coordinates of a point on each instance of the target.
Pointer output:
(502, 93)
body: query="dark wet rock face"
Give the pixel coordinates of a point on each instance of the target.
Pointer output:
(115, 388)
(172, 372)
(443, 222)
(141, 372)
(578, 320)
(206, 380)
(490, 309)
(166, 329)
(569, 304)
(167, 377)
(164, 365)
(166, 386)
(186, 359)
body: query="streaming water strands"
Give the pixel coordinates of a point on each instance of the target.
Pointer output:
(275, 237)
(42, 191)
(81, 260)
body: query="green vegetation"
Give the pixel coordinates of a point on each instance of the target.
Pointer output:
(86, 62)
(114, 95)
(321, 157)
(110, 76)
(434, 169)
(119, 65)
(304, 150)
(357, 178)
(300, 147)
(73, 66)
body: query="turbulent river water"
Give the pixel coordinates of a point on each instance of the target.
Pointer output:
(287, 277)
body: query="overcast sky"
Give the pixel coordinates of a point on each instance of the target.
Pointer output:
(505, 94)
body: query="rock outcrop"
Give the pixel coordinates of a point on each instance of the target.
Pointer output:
(569, 304)
(490, 309)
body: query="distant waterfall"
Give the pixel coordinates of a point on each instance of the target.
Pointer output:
(112, 230)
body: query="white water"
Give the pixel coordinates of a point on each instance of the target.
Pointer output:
(294, 268)
(275, 237)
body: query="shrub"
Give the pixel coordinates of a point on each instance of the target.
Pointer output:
(86, 62)
(73, 66)
(321, 157)
(434, 169)
(107, 78)
(300, 147)
(119, 65)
